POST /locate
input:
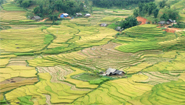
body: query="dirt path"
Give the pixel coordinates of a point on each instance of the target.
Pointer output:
(43, 20)
(142, 20)
(58, 74)
(171, 30)
(48, 98)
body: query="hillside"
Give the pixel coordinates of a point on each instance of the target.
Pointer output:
(60, 62)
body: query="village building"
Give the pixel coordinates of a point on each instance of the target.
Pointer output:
(36, 18)
(103, 25)
(111, 71)
(162, 22)
(78, 14)
(119, 29)
(63, 15)
(87, 15)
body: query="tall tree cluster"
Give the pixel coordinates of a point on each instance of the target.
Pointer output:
(170, 14)
(146, 8)
(129, 22)
(118, 3)
(2, 1)
(52, 7)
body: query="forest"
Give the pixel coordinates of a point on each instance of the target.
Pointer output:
(118, 3)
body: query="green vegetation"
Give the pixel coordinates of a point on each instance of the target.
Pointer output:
(25, 100)
(24, 54)
(48, 39)
(118, 3)
(135, 47)
(86, 76)
(12, 7)
(166, 93)
(129, 22)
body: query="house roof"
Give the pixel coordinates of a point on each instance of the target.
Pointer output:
(110, 70)
(78, 13)
(36, 17)
(170, 20)
(103, 24)
(87, 14)
(65, 14)
(161, 22)
(118, 72)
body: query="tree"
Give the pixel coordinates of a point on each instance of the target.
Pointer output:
(162, 4)
(156, 12)
(81, 6)
(145, 8)
(164, 17)
(26, 3)
(152, 7)
(53, 17)
(129, 22)
(136, 13)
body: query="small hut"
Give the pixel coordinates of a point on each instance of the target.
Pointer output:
(111, 71)
(78, 14)
(103, 25)
(87, 15)
(36, 18)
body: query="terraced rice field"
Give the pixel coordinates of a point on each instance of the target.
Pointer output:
(45, 65)
(22, 40)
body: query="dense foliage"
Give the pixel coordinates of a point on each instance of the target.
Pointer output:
(129, 22)
(170, 14)
(51, 7)
(146, 8)
(118, 3)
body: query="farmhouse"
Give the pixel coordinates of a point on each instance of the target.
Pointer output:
(103, 25)
(36, 18)
(63, 15)
(111, 71)
(78, 14)
(162, 22)
(87, 15)
(119, 29)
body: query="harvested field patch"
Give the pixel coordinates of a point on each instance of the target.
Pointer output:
(16, 71)
(16, 82)
(57, 72)
(157, 78)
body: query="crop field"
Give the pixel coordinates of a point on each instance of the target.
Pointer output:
(12, 7)
(22, 40)
(46, 64)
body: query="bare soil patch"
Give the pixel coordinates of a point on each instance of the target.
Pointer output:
(171, 30)
(142, 20)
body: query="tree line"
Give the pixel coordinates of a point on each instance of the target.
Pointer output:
(52, 7)
(2, 2)
(153, 9)
(118, 3)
